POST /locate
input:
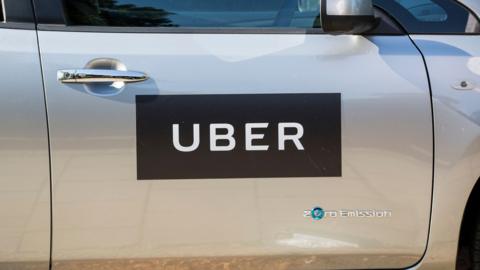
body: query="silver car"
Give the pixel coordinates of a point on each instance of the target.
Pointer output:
(239, 134)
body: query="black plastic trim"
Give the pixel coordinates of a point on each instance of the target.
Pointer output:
(1, 11)
(168, 30)
(172, 30)
(17, 25)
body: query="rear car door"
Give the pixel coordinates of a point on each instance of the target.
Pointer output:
(257, 141)
(24, 160)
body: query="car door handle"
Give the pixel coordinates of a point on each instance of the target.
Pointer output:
(100, 76)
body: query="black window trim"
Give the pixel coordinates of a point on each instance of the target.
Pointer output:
(2, 9)
(17, 25)
(173, 30)
(193, 30)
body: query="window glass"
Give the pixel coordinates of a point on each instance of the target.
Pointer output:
(424, 10)
(194, 13)
(431, 16)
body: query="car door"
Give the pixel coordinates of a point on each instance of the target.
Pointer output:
(24, 159)
(240, 139)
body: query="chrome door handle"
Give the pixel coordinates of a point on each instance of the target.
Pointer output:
(99, 76)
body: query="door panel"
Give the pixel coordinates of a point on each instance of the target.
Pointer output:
(24, 167)
(102, 211)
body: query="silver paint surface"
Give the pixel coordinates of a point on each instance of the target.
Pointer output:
(24, 167)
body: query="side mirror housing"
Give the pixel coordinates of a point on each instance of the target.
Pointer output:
(347, 16)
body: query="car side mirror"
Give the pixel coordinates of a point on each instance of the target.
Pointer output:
(347, 16)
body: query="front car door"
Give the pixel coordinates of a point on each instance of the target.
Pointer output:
(250, 119)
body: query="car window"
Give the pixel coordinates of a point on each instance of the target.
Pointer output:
(194, 13)
(431, 16)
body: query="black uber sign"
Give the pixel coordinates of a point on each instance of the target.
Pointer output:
(238, 136)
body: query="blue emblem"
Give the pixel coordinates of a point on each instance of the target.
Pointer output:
(317, 213)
